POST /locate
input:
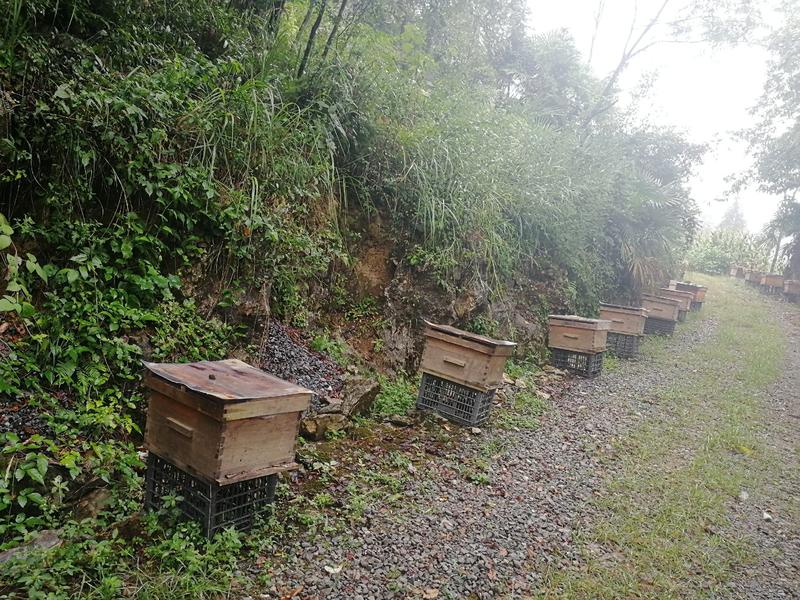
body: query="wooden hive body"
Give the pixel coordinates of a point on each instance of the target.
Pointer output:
(791, 286)
(659, 307)
(772, 280)
(578, 334)
(699, 291)
(685, 298)
(628, 320)
(475, 361)
(223, 421)
(753, 276)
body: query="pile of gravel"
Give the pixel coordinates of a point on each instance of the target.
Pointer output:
(21, 418)
(288, 357)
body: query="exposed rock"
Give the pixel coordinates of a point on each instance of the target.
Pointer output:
(400, 421)
(93, 503)
(358, 395)
(316, 427)
(334, 405)
(47, 538)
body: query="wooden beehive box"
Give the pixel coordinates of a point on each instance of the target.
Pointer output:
(628, 320)
(223, 421)
(791, 286)
(659, 307)
(772, 280)
(699, 291)
(753, 276)
(466, 358)
(578, 334)
(737, 272)
(685, 298)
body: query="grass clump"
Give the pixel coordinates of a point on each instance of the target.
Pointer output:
(397, 396)
(524, 412)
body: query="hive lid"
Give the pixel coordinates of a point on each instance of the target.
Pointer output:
(657, 298)
(636, 310)
(466, 335)
(684, 293)
(229, 381)
(687, 284)
(585, 322)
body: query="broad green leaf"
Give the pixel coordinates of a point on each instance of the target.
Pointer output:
(8, 305)
(63, 91)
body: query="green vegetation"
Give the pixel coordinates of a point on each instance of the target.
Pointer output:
(716, 251)
(524, 412)
(665, 512)
(396, 397)
(171, 174)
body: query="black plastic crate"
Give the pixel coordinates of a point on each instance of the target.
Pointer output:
(696, 305)
(655, 326)
(794, 298)
(682, 314)
(580, 363)
(454, 401)
(623, 345)
(212, 505)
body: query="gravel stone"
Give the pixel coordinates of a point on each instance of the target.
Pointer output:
(483, 541)
(287, 356)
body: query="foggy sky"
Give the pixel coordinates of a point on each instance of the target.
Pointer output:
(703, 91)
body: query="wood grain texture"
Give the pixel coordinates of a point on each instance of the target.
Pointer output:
(464, 361)
(624, 321)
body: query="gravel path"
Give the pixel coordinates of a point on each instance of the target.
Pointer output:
(458, 539)
(776, 573)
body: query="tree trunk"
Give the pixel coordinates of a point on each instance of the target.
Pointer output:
(335, 28)
(306, 20)
(777, 251)
(311, 36)
(275, 16)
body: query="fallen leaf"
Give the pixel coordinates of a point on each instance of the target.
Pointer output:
(334, 570)
(430, 593)
(293, 593)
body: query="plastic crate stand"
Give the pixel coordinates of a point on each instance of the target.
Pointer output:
(456, 402)
(655, 326)
(623, 345)
(696, 305)
(682, 314)
(793, 298)
(580, 363)
(212, 505)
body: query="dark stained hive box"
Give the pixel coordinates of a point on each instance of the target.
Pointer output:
(223, 421)
(699, 291)
(624, 319)
(578, 334)
(475, 361)
(791, 286)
